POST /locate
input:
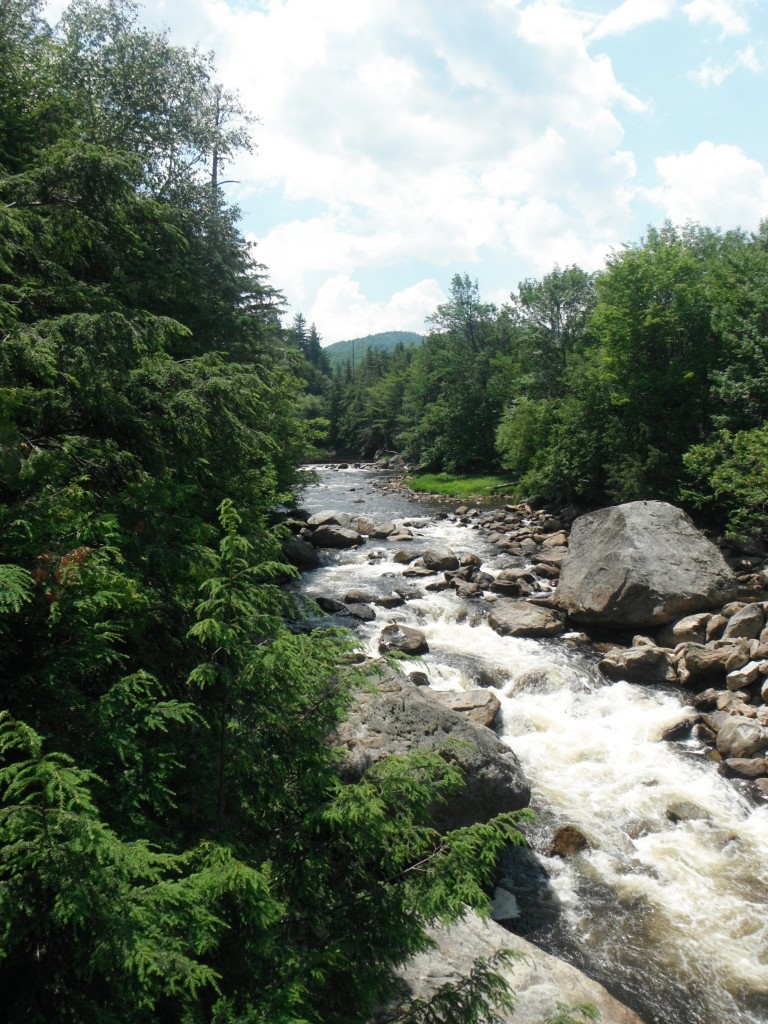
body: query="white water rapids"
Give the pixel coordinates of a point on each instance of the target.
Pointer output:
(668, 907)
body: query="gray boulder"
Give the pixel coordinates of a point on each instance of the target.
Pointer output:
(300, 553)
(521, 618)
(645, 664)
(397, 637)
(336, 537)
(741, 737)
(640, 564)
(539, 980)
(399, 717)
(440, 559)
(329, 518)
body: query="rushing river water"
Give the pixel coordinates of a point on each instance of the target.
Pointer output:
(668, 907)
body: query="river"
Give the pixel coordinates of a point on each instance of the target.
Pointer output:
(668, 907)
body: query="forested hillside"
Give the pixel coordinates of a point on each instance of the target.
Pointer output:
(648, 379)
(355, 348)
(175, 840)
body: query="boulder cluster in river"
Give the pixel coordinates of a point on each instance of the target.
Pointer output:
(640, 571)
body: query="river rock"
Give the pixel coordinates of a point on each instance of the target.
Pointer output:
(398, 637)
(300, 553)
(641, 664)
(329, 518)
(690, 629)
(567, 842)
(336, 537)
(698, 662)
(521, 618)
(540, 981)
(364, 612)
(746, 623)
(479, 706)
(400, 717)
(640, 564)
(746, 767)
(744, 676)
(440, 559)
(741, 737)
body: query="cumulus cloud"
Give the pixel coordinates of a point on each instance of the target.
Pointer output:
(717, 185)
(728, 15)
(340, 301)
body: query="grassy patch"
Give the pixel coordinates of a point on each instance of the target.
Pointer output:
(461, 486)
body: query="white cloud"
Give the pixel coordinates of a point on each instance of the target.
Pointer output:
(728, 15)
(341, 302)
(630, 15)
(718, 185)
(711, 73)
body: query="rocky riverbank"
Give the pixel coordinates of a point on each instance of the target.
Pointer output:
(510, 575)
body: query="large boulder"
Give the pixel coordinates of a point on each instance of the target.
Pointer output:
(440, 559)
(640, 564)
(336, 537)
(540, 981)
(643, 664)
(399, 717)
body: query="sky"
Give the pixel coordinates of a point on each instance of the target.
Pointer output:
(400, 142)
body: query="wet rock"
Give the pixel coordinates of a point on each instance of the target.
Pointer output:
(330, 605)
(521, 618)
(363, 612)
(389, 600)
(513, 583)
(440, 559)
(746, 767)
(480, 706)
(404, 557)
(398, 637)
(464, 589)
(419, 678)
(383, 530)
(336, 537)
(567, 842)
(300, 553)
(521, 873)
(363, 525)
(359, 597)
(640, 564)
(399, 536)
(642, 664)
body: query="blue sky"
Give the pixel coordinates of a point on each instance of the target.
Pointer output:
(403, 141)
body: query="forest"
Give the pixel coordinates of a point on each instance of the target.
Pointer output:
(176, 843)
(647, 379)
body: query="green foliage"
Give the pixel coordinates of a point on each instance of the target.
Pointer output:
(732, 476)
(460, 486)
(570, 1014)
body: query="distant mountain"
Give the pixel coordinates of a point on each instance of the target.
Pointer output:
(341, 352)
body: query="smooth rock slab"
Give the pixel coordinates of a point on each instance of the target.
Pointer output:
(520, 618)
(641, 564)
(540, 981)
